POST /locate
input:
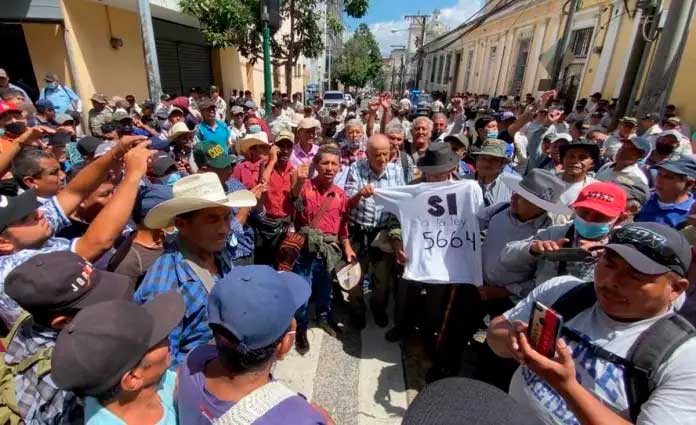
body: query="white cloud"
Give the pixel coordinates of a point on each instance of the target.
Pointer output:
(449, 16)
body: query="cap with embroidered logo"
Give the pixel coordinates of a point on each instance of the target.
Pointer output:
(210, 154)
(62, 280)
(605, 198)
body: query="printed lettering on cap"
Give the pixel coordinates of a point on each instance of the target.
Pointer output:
(85, 278)
(3, 201)
(215, 151)
(601, 196)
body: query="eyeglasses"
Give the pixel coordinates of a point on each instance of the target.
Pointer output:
(650, 244)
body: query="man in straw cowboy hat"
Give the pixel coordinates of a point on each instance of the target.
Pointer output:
(201, 254)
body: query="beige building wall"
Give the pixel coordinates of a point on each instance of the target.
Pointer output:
(48, 53)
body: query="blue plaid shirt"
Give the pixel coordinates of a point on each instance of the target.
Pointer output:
(38, 399)
(172, 272)
(57, 220)
(360, 174)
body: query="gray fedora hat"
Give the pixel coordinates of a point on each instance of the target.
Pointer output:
(439, 158)
(540, 187)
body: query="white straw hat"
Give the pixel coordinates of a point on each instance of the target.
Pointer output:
(193, 193)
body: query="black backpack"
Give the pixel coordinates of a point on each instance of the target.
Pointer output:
(652, 348)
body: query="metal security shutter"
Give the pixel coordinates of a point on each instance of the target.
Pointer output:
(184, 58)
(168, 58)
(195, 65)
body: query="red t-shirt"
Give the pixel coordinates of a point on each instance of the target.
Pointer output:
(248, 173)
(278, 199)
(334, 221)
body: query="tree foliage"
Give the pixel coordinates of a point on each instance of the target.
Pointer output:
(226, 23)
(360, 60)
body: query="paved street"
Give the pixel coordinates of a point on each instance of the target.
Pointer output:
(359, 379)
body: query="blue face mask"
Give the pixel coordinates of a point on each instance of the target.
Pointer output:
(590, 230)
(171, 179)
(493, 134)
(52, 85)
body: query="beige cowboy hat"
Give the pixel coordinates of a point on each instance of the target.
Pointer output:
(254, 139)
(179, 129)
(193, 193)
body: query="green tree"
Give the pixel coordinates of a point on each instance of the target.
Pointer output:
(226, 23)
(360, 60)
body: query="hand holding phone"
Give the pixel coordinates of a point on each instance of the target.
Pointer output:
(544, 329)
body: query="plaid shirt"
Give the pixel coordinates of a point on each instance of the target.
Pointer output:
(57, 220)
(350, 155)
(39, 400)
(172, 272)
(367, 213)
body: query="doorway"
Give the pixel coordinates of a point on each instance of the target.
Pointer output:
(16, 60)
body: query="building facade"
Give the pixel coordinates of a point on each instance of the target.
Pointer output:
(509, 50)
(97, 46)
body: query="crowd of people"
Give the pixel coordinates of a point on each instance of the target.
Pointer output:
(158, 259)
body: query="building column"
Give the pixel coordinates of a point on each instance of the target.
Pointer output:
(530, 78)
(507, 62)
(608, 46)
(627, 54)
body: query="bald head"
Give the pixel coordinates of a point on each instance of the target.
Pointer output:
(378, 153)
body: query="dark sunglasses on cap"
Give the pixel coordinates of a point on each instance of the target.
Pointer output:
(651, 245)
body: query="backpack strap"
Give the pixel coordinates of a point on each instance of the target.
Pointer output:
(653, 348)
(42, 360)
(575, 301)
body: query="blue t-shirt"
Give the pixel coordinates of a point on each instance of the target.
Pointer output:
(671, 215)
(96, 414)
(220, 135)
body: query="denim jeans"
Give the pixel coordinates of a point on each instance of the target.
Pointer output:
(313, 270)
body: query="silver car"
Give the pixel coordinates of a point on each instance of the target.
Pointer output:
(333, 99)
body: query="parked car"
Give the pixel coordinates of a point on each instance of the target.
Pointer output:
(333, 99)
(423, 106)
(350, 102)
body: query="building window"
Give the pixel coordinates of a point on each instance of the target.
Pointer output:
(581, 40)
(433, 69)
(440, 68)
(448, 64)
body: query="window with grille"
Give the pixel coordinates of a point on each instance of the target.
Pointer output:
(580, 45)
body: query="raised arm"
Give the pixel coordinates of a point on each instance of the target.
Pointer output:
(109, 223)
(87, 180)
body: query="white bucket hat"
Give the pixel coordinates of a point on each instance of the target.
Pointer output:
(193, 193)
(254, 139)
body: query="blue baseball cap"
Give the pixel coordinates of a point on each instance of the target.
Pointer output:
(684, 165)
(159, 144)
(43, 104)
(642, 143)
(256, 304)
(149, 196)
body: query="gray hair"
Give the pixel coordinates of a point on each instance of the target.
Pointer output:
(437, 115)
(394, 128)
(427, 121)
(354, 123)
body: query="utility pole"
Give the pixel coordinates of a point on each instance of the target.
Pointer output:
(267, 84)
(670, 49)
(423, 20)
(563, 44)
(634, 72)
(151, 64)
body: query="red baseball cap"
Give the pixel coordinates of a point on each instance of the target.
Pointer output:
(605, 198)
(6, 107)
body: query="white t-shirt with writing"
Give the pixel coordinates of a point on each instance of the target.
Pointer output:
(672, 402)
(439, 229)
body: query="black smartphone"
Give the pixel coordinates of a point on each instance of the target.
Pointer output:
(569, 254)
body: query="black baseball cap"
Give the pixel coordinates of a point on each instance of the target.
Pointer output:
(62, 280)
(652, 248)
(106, 340)
(16, 208)
(88, 145)
(162, 164)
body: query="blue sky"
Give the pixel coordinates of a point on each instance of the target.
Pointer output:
(385, 15)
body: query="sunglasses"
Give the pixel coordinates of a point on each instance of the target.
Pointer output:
(650, 244)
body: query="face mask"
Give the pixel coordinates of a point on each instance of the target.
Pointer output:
(52, 85)
(590, 230)
(2, 132)
(493, 134)
(16, 128)
(664, 148)
(171, 179)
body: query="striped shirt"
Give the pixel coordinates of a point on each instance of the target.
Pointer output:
(360, 174)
